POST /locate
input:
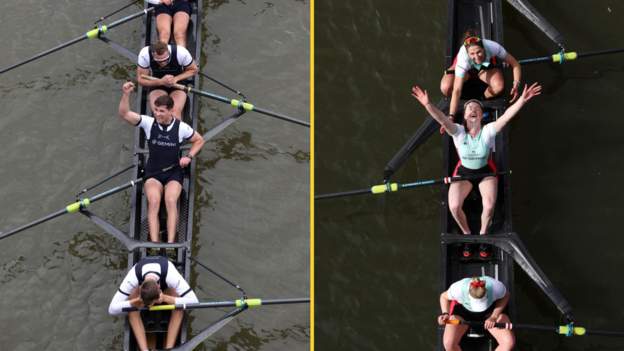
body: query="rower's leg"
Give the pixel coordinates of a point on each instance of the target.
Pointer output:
(136, 323)
(163, 26)
(458, 191)
(172, 194)
(153, 192)
(488, 188)
(504, 337)
(446, 84)
(495, 81)
(174, 323)
(452, 336)
(179, 100)
(153, 95)
(180, 25)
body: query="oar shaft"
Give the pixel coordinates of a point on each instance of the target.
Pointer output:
(236, 103)
(342, 194)
(89, 35)
(33, 223)
(217, 304)
(601, 52)
(393, 187)
(45, 53)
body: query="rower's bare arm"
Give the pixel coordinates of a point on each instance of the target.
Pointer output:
(444, 302)
(527, 94)
(124, 105)
(197, 142)
(423, 97)
(146, 82)
(499, 305)
(517, 76)
(458, 84)
(189, 71)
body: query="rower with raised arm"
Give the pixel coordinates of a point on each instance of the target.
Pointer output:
(477, 299)
(164, 135)
(153, 280)
(171, 64)
(172, 14)
(474, 143)
(479, 58)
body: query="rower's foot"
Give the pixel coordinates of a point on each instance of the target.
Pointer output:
(485, 251)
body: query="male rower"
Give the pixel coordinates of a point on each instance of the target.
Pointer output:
(171, 64)
(164, 136)
(153, 280)
(478, 299)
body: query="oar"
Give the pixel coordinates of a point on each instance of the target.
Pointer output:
(92, 34)
(83, 203)
(562, 57)
(133, 2)
(100, 182)
(567, 329)
(394, 187)
(218, 304)
(236, 103)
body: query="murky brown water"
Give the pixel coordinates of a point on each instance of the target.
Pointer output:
(60, 133)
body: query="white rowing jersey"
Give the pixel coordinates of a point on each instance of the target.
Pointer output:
(183, 55)
(185, 132)
(464, 63)
(173, 280)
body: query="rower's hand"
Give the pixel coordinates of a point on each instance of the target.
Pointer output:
(513, 93)
(185, 161)
(136, 302)
(529, 92)
(168, 80)
(127, 87)
(491, 322)
(443, 318)
(420, 95)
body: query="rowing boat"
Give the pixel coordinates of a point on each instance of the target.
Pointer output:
(484, 17)
(156, 322)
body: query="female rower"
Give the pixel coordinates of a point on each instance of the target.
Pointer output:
(478, 58)
(481, 299)
(474, 144)
(170, 13)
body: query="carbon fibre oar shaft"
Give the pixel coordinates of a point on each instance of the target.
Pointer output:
(394, 187)
(566, 329)
(217, 304)
(82, 203)
(234, 102)
(562, 57)
(92, 34)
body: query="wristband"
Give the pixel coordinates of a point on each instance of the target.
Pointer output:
(189, 156)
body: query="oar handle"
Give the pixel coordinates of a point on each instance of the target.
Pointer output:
(176, 85)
